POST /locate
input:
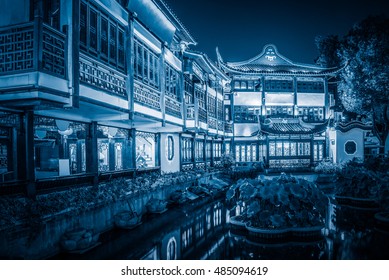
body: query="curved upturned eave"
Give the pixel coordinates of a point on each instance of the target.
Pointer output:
(328, 72)
(317, 129)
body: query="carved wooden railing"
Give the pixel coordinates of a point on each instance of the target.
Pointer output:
(212, 122)
(228, 127)
(202, 115)
(220, 125)
(173, 107)
(147, 96)
(24, 48)
(53, 51)
(101, 76)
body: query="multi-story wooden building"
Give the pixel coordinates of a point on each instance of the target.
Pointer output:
(95, 89)
(280, 110)
(91, 89)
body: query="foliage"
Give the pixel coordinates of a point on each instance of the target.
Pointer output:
(75, 201)
(282, 202)
(357, 181)
(227, 160)
(328, 167)
(328, 47)
(363, 85)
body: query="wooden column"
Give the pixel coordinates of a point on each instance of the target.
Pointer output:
(162, 79)
(130, 64)
(92, 158)
(26, 147)
(158, 150)
(74, 46)
(132, 146)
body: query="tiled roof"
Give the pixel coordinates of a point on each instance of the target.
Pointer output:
(270, 62)
(291, 127)
(344, 127)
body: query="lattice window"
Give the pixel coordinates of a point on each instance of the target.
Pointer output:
(102, 36)
(146, 64)
(311, 114)
(279, 85)
(171, 82)
(314, 87)
(51, 13)
(211, 106)
(245, 114)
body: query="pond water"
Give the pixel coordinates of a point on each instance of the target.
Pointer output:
(201, 230)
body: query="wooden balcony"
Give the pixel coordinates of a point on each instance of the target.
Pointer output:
(33, 66)
(173, 107)
(212, 123)
(29, 47)
(228, 127)
(147, 96)
(102, 77)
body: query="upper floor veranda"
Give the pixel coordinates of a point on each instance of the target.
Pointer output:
(118, 61)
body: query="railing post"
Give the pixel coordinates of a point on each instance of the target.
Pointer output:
(92, 152)
(26, 166)
(38, 20)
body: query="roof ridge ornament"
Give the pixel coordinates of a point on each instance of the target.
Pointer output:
(270, 53)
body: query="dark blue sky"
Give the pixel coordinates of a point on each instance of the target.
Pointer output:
(241, 28)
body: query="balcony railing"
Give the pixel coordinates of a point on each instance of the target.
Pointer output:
(173, 107)
(101, 76)
(212, 122)
(147, 96)
(228, 127)
(220, 125)
(20, 50)
(202, 115)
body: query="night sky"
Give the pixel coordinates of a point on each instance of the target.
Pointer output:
(241, 28)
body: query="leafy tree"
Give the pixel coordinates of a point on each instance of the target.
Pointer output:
(363, 86)
(328, 47)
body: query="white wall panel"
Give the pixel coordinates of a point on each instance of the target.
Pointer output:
(310, 99)
(248, 99)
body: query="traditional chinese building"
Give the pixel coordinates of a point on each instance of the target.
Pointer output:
(95, 89)
(280, 110)
(90, 90)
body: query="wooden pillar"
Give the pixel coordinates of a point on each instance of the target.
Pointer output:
(295, 107)
(193, 151)
(74, 46)
(92, 152)
(26, 163)
(162, 79)
(158, 150)
(130, 62)
(38, 42)
(15, 153)
(132, 147)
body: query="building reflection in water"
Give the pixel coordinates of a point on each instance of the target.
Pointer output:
(203, 232)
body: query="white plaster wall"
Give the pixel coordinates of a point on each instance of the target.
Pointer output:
(355, 135)
(248, 99)
(174, 164)
(245, 129)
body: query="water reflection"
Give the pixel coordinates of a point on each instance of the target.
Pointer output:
(202, 231)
